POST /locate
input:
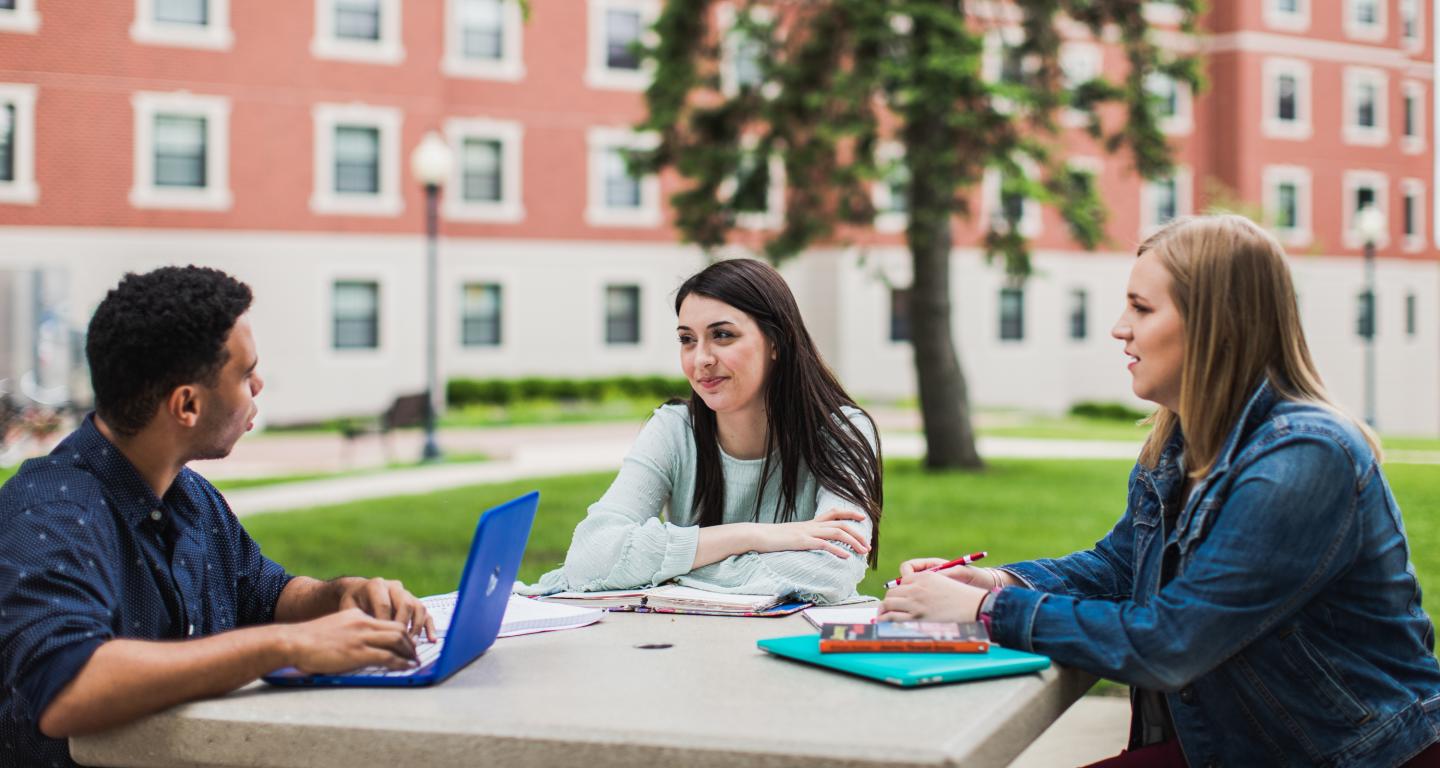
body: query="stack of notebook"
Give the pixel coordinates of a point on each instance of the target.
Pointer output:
(673, 598)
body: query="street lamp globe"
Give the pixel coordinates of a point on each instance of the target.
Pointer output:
(1370, 224)
(430, 162)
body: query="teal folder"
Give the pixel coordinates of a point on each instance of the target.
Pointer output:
(908, 670)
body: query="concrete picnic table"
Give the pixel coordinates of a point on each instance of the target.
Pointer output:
(596, 697)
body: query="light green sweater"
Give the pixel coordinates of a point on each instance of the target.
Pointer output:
(628, 541)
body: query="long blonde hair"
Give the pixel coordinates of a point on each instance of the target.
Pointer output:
(1232, 287)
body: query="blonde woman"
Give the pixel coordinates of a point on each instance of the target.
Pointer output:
(1257, 594)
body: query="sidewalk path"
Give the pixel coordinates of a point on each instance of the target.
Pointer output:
(520, 454)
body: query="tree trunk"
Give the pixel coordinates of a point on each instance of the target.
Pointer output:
(944, 398)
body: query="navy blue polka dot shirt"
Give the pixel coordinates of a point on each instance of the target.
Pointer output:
(88, 553)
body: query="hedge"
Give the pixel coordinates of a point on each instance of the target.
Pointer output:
(463, 391)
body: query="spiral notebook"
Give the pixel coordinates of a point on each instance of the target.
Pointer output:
(523, 616)
(673, 598)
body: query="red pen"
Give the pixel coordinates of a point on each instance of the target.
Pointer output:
(966, 560)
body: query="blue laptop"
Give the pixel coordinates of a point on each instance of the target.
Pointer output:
(479, 606)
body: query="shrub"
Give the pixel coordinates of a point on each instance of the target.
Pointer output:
(1107, 411)
(461, 392)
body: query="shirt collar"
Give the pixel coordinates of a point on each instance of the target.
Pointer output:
(134, 497)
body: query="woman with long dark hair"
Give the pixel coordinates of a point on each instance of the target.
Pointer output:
(771, 473)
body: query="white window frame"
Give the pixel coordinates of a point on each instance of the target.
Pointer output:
(509, 208)
(1297, 21)
(22, 190)
(1413, 188)
(506, 315)
(1184, 200)
(1272, 69)
(726, 17)
(1031, 223)
(1351, 183)
(510, 67)
(387, 50)
(887, 220)
(597, 72)
(215, 35)
(216, 111)
(1413, 44)
(599, 140)
(1079, 55)
(22, 18)
(380, 351)
(992, 62)
(323, 198)
(1351, 133)
(1373, 33)
(1413, 144)
(1303, 233)
(1182, 122)
(1162, 13)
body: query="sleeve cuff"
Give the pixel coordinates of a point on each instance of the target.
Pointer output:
(680, 548)
(50, 675)
(1037, 577)
(1012, 618)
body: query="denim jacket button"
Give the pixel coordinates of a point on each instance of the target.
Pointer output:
(1187, 694)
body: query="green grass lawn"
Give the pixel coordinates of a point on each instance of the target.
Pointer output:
(1016, 510)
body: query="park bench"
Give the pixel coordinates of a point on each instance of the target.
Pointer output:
(405, 411)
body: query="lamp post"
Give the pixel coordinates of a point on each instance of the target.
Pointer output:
(1370, 224)
(430, 162)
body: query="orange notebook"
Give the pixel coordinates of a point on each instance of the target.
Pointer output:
(905, 637)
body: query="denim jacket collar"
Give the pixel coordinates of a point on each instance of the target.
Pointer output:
(1261, 402)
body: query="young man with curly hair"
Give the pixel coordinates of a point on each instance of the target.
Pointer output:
(126, 583)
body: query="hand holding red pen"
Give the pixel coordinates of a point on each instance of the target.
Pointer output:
(933, 564)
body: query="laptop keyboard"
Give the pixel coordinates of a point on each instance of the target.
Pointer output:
(428, 653)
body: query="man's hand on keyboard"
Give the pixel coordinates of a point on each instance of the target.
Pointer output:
(348, 640)
(389, 600)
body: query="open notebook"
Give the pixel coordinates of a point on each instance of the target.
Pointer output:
(523, 616)
(673, 598)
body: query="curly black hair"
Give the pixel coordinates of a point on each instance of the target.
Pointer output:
(158, 331)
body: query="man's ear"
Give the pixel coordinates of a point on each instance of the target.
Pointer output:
(183, 405)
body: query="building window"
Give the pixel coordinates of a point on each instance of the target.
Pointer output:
(1365, 311)
(618, 29)
(1163, 200)
(17, 144)
(357, 314)
(1287, 202)
(1365, 19)
(1412, 213)
(890, 194)
(1172, 102)
(1079, 323)
(1006, 201)
(1365, 101)
(357, 160)
(19, 16)
(1080, 63)
(1410, 29)
(1289, 15)
(1412, 139)
(900, 314)
(1361, 189)
(486, 186)
(1286, 90)
(483, 39)
(757, 191)
(1411, 324)
(1081, 178)
(622, 314)
(480, 324)
(1012, 314)
(358, 30)
(744, 48)
(617, 196)
(181, 151)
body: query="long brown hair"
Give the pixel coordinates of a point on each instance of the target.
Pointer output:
(1232, 287)
(804, 426)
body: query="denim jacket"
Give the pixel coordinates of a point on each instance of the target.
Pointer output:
(1291, 633)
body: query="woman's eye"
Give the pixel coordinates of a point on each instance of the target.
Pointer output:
(724, 335)
(687, 339)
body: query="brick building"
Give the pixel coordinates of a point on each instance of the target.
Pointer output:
(271, 139)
